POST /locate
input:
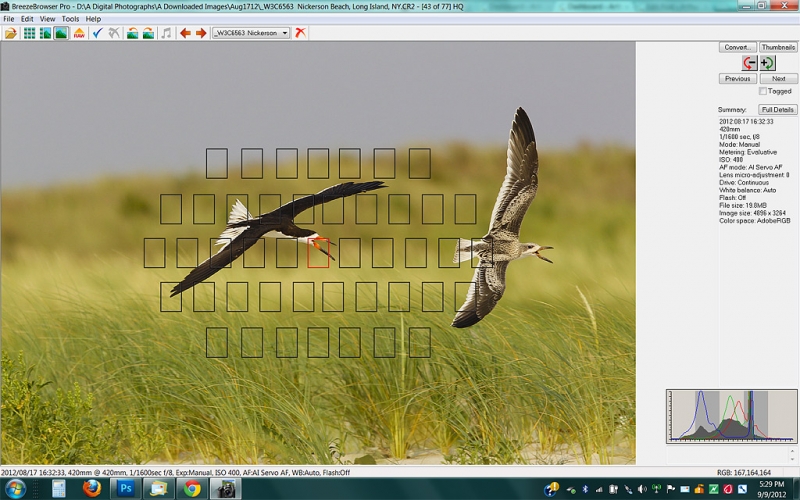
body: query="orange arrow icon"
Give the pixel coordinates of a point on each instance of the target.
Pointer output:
(200, 33)
(185, 33)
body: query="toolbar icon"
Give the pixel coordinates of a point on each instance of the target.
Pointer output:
(59, 488)
(227, 488)
(768, 63)
(192, 488)
(62, 32)
(11, 33)
(29, 33)
(113, 33)
(133, 33)
(126, 487)
(158, 489)
(148, 34)
(45, 33)
(749, 63)
(92, 488)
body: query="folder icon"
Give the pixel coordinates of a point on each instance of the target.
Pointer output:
(158, 489)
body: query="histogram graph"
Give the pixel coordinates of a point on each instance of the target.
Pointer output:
(731, 416)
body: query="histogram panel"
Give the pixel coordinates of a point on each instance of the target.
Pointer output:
(731, 416)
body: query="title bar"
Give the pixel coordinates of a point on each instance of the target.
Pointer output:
(405, 7)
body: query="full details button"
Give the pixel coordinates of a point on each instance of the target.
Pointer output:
(777, 109)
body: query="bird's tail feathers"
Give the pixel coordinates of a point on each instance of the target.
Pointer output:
(239, 215)
(463, 251)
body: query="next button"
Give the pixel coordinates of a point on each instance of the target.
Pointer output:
(779, 78)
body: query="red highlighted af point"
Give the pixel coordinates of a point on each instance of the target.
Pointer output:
(319, 241)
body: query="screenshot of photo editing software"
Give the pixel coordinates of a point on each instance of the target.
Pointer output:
(518, 249)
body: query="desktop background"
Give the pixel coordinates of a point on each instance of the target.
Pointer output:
(119, 164)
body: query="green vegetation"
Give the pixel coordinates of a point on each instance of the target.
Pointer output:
(548, 377)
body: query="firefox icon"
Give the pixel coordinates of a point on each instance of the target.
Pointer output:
(92, 488)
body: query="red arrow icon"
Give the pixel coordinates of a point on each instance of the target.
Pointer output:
(185, 33)
(200, 33)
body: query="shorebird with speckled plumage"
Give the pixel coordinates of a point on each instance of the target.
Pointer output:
(501, 244)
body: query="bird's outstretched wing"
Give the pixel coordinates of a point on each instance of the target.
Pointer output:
(295, 207)
(485, 291)
(519, 186)
(234, 240)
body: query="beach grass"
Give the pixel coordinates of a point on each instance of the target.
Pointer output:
(549, 374)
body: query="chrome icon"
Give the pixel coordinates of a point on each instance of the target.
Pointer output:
(192, 488)
(15, 488)
(92, 488)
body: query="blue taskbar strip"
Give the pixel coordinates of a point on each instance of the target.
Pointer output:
(314, 485)
(402, 6)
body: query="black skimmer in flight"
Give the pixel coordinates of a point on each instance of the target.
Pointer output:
(501, 244)
(244, 230)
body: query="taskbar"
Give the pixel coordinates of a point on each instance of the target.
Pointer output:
(312, 484)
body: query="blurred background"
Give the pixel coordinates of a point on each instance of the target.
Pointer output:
(106, 204)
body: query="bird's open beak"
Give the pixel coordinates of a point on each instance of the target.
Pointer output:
(318, 247)
(542, 257)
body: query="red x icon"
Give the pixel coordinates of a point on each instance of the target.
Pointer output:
(300, 31)
(783, 5)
